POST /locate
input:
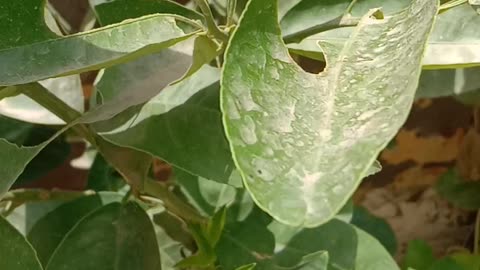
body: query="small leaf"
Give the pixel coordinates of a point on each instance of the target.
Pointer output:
(376, 227)
(419, 256)
(463, 194)
(175, 229)
(113, 237)
(15, 252)
(207, 196)
(29, 51)
(49, 231)
(314, 137)
(205, 255)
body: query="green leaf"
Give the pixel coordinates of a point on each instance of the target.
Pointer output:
(22, 133)
(467, 261)
(14, 159)
(206, 195)
(68, 89)
(314, 137)
(445, 264)
(113, 237)
(454, 41)
(15, 252)
(133, 165)
(110, 12)
(25, 216)
(448, 82)
(185, 117)
(30, 52)
(205, 255)
(475, 4)
(376, 227)
(175, 228)
(341, 244)
(49, 231)
(419, 256)
(463, 194)
(102, 176)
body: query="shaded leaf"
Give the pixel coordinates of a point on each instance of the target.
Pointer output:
(315, 137)
(185, 117)
(109, 12)
(346, 247)
(102, 176)
(445, 264)
(113, 237)
(30, 52)
(376, 227)
(463, 194)
(467, 261)
(175, 229)
(419, 256)
(448, 82)
(15, 252)
(49, 231)
(206, 195)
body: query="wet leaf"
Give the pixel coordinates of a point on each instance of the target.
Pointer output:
(315, 137)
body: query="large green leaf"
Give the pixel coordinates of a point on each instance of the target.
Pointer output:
(181, 125)
(448, 82)
(114, 237)
(30, 52)
(454, 41)
(303, 142)
(15, 252)
(49, 231)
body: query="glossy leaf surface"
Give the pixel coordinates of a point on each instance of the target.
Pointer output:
(303, 142)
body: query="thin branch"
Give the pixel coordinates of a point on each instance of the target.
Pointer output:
(213, 29)
(172, 203)
(339, 22)
(232, 7)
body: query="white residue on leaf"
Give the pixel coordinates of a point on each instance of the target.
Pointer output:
(247, 131)
(246, 100)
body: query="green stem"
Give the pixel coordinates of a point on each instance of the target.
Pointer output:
(55, 105)
(232, 7)
(172, 203)
(18, 197)
(451, 4)
(339, 22)
(213, 29)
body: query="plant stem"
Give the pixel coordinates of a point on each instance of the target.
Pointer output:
(55, 105)
(213, 29)
(232, 7)
(451, 4)
(339, 22)
(172, 203)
